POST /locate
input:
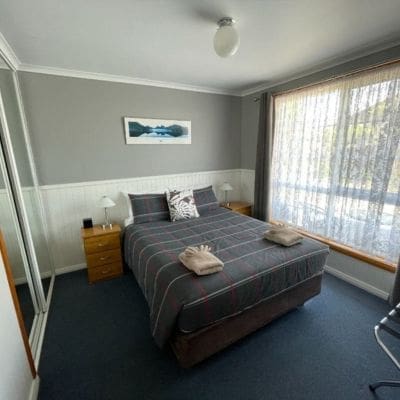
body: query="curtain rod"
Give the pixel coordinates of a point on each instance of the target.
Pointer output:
(340, 76)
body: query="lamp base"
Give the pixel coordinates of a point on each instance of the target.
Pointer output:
(226, 199)
(107, 223)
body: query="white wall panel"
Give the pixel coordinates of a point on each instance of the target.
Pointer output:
(247, 185)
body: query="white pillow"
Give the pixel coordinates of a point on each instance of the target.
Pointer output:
(129, 220)
(181, 205)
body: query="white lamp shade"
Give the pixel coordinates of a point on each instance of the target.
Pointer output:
(226, 41)
(226, 187)
(105, 202)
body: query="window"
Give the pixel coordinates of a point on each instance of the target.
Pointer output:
(336, 161)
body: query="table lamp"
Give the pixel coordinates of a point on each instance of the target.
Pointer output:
(105, 202)
(226, 187)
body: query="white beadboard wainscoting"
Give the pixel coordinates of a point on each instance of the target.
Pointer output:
(247, 185)
(66, 205)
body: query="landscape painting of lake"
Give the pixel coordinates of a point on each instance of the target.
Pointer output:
(157, 131)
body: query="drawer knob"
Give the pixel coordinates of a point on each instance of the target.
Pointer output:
(103, 258)
(100, 244)
(105, 271)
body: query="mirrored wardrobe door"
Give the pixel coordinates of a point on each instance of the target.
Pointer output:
(9, 228)
(33, 200)
(18, 199)
(20, 154)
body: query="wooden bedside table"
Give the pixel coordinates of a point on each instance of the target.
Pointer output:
(103, 252)
(241, 207)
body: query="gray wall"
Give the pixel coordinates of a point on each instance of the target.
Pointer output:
(77, 133)
(250, 109)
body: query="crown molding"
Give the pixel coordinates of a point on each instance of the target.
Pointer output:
(331, 62)
(262, 87)
(8, 54)
(39, 69)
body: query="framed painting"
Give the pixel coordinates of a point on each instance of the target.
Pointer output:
(157, 131)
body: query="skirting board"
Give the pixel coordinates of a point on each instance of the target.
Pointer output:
(70, 268)
(34, 392)
(58, 271)
(356, 282)
(22, 280)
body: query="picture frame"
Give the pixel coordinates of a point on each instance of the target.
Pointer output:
(157, 131)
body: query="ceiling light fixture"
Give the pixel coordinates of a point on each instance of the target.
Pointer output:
(226, 39)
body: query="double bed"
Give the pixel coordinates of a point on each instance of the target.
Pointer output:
(200, 315)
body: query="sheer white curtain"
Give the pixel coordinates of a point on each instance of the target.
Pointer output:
(336, 161)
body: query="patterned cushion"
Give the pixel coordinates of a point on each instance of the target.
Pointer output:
(205, 199)
(181, 205)
(149, 207)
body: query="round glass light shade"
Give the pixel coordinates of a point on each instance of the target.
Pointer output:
(226, 41)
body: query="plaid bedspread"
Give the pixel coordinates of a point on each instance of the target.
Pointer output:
(255, 268)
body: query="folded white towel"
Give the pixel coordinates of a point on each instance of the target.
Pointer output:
(200, 260)
(283, 235)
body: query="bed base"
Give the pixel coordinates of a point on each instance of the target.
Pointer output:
(192, 348)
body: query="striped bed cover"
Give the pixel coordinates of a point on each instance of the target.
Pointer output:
(255, 268)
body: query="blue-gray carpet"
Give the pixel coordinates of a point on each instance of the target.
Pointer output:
(98, 346)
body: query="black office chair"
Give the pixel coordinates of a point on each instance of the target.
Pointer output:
(392, 319)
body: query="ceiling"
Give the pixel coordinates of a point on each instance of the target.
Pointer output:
(171, 40)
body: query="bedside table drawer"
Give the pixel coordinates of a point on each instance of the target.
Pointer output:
(102, 243)
(105, 257)
(104, 271)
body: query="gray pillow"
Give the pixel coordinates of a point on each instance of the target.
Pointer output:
(205, 199)
(149, 207)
